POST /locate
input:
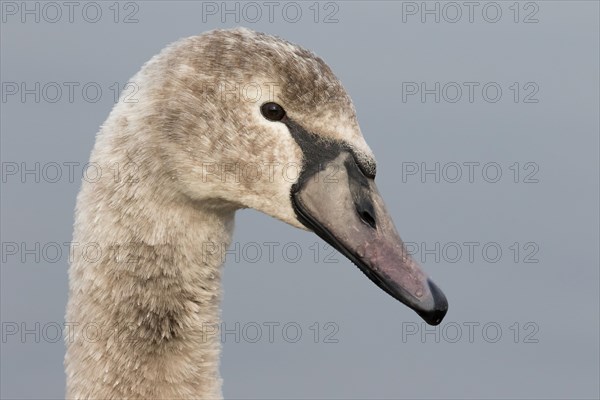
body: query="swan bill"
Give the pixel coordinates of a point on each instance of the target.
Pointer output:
(342, 205)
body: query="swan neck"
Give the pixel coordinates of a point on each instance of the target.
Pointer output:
(152, 293)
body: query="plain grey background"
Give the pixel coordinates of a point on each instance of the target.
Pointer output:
(547, 311)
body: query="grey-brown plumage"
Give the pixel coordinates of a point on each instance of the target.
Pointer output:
(164, 196)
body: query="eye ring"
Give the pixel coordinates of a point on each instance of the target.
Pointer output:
(272, 111)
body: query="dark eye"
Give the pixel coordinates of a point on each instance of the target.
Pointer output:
(272, 111)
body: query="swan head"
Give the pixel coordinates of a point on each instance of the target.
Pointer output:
(247, 120)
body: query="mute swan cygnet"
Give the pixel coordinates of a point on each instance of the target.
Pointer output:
(153, 280)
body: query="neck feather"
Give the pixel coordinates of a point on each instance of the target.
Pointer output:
(144, 292)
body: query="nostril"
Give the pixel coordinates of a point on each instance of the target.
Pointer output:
(364, 205)
(367, 218)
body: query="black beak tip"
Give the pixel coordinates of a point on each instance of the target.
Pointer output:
(435, 315)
